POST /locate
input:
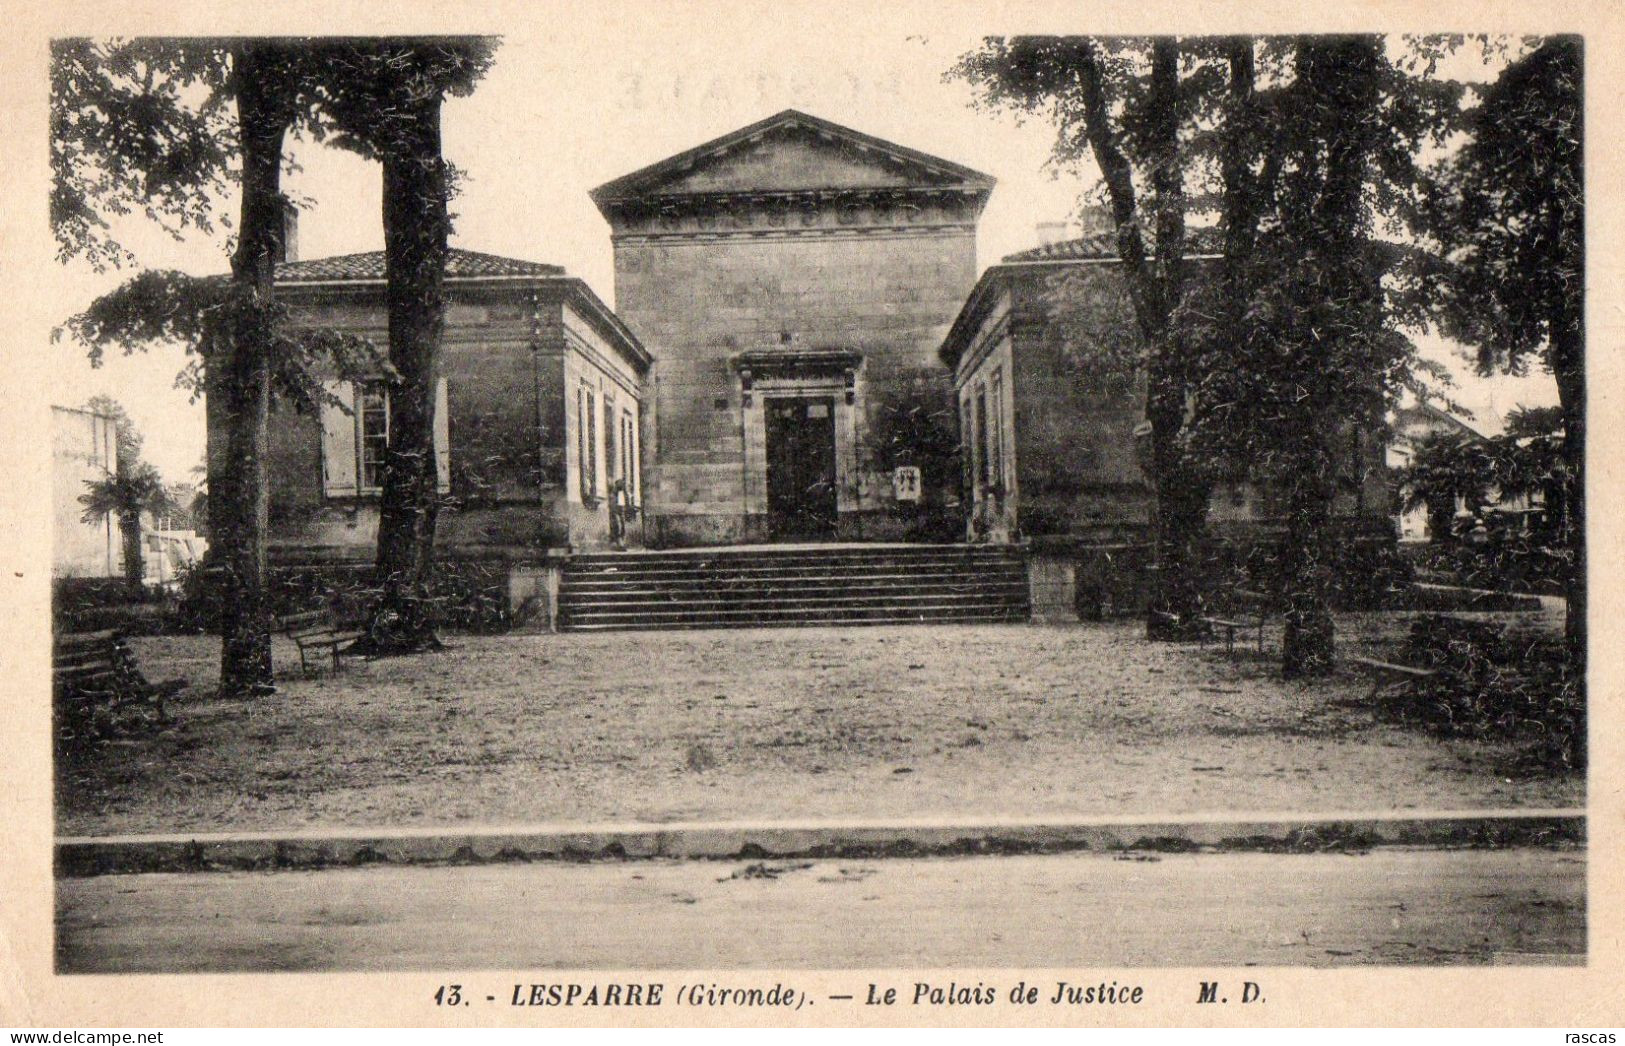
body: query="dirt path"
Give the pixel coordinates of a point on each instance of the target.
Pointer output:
(779, 724)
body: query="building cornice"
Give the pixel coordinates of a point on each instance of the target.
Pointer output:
(874, 232)
(645, 182)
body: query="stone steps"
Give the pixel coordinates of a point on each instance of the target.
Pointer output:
(788, 586)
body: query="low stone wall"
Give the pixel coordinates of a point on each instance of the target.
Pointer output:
(480, 590)
(1094, 578)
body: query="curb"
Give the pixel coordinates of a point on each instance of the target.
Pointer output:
(87, 856)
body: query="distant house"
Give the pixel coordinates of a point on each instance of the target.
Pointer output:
(1413, 421)
(84, 450)
(538, 419)
(1052, 448)
(167, 553)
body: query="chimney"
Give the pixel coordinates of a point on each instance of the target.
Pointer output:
(1096, 219)
(288, 250)
(1051, 232)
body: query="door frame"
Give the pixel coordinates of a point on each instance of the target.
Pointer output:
(782, 526)
(761, 375)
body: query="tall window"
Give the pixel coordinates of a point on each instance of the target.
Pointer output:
(372, 433)
(982, 473)
(995, 431)
(587, 433)
(967, 448)
(629, 465)
(611, 459)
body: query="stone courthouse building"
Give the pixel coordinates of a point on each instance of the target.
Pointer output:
(800, 351)
(793, 279)
(538, 414)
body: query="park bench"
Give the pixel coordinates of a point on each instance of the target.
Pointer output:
(1386, 675)
(91, 670)
(1448, 645)
(315, 632)
(1244, 609)
(1455, 631)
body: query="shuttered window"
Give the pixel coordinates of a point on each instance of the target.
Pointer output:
(372, 435)
(442, 436)
(587, 441)
(982, 473)
(612, 460)
(995, 430)
(355, 437)
(629, 464)
(967, 448)
(338, 440)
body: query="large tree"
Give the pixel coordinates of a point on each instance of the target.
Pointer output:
(385, 98)
(1319, 353)
(268, 82)
(163, 126)
(1127, 105)
(1508, 211)
(1292, 150)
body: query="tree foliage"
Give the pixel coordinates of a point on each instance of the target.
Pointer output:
(1507, 213)
(163, 307)
(137, 127)
(133, 487)
(126, 494)
(1528, 460)
(1445, 467)
(1282, 159)
(126, 436)
(159, 126)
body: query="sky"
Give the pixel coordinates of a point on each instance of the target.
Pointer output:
(580, 100)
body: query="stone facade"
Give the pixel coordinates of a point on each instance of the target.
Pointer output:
(1053, 441)
(521, 472)
(792, 262)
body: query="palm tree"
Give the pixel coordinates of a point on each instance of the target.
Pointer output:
(125, 495)
(1446, 467)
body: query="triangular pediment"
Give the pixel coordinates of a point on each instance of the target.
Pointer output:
(791, 152)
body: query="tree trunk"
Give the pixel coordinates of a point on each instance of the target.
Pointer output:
(135, 568)
(1178, 522)
(1342, 298)
(1308, 642)
(1441, 520)
(239, 503)
(1568, 366)
(416, 229)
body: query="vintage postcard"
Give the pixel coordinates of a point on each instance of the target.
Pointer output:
(810, 514)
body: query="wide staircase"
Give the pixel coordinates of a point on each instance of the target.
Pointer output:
(778, 586)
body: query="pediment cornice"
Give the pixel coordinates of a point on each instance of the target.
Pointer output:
(790, 160)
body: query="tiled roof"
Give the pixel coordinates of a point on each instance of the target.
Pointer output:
(1098, 246)
(369, 265)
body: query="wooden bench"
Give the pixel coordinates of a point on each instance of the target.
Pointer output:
(1387, 675)
(1455, 630)
(98, 669)
(1245, 609)
(315, 631)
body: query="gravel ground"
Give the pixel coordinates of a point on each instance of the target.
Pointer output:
(781, 724)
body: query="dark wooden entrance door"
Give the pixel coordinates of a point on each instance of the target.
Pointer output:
(801, 468)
